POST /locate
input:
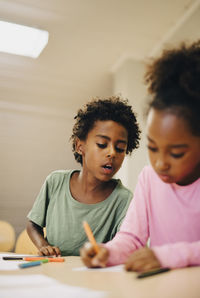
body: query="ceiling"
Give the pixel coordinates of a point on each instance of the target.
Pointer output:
(88, 39)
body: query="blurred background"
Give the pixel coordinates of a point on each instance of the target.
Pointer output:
(95, 48)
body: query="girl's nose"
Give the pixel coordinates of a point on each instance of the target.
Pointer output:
(162, 165)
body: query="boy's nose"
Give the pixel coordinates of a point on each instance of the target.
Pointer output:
(111, 151)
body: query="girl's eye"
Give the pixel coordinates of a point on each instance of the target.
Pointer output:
(152, 149)
(178, 155)
(102, 145)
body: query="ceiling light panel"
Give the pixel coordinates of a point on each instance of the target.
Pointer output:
(22, 40)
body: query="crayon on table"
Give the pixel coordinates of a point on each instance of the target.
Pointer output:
(90, 236)
(42, 258)
(32, 264)
(153, 272)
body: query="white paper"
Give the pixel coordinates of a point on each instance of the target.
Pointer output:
(40, 286)
(11, 264)
(118, 268)
(4, 254)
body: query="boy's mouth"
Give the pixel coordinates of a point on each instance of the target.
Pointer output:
(109, 167)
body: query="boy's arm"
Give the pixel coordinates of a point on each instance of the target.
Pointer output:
(36, 234)
(178, 255)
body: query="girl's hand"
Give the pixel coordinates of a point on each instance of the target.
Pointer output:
(92, 259)
(142, 260)
(48, 250)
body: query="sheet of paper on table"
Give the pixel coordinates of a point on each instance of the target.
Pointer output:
(40, 286)
(11, 265)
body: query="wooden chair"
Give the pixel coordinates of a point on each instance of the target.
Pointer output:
(7, 236)
(24, 245)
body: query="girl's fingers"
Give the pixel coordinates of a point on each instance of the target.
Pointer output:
(101, 258)
(87, 253)
(87, 260)
(93, 259)
(142, 260)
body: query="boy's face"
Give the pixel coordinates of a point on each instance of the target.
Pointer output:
(104, 149)
(174, 151)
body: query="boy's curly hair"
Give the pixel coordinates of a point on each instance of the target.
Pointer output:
(113, 108)
(174, 82)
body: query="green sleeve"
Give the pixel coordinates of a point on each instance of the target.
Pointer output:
(39, 209)
(122, 212)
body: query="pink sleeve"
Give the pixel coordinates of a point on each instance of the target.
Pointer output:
(134, 230)
(177, 255)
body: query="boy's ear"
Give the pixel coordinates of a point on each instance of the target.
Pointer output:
(79, 146)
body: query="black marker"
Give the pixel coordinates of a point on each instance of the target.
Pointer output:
(9, 258)
(12, 258)
(153, 272)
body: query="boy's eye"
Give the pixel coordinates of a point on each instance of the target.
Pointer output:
(120, 150)
(153, 149)
(177, 155)
(102, 145)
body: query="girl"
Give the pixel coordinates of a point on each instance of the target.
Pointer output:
(105, 131)
(166, 205)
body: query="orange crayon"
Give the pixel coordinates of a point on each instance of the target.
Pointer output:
(90, 236)
(42, 258)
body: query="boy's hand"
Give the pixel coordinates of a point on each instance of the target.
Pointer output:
(49, 250)
(142, 260)
(92, 259)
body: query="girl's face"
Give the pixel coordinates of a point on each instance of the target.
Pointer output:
(174, 151)
(104, 149)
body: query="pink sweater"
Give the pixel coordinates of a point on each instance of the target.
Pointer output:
(167, 213)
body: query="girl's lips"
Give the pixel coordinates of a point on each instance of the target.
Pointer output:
(165, 178)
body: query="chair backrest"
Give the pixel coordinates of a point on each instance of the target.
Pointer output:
(7, 236)
(24, 245)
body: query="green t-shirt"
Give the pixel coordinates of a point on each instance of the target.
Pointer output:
(62, 215)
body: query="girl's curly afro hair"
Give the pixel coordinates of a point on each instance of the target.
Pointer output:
(174, 83)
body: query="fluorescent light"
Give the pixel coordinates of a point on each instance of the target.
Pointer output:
(22, 40)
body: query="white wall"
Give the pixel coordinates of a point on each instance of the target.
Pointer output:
(34, 142)
(128, 81)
